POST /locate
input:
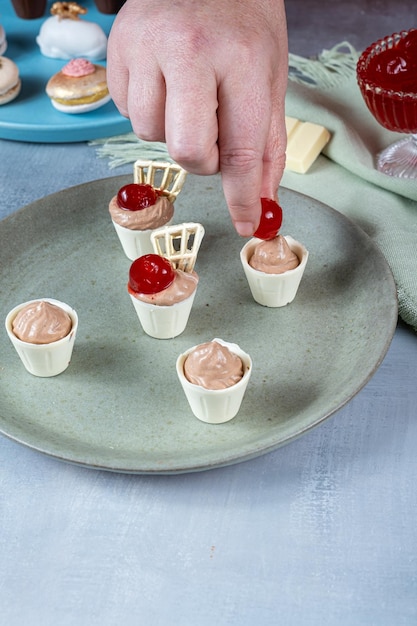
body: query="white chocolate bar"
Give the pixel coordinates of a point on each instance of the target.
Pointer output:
(305, 141)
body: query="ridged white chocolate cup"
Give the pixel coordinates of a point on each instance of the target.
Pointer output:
(163, 322)
(49, 359)
(135, 243)
(274, 290)
(215, 406)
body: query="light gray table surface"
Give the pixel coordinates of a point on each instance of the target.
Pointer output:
(321, 531)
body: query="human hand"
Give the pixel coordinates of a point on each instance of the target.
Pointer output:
(209, 79)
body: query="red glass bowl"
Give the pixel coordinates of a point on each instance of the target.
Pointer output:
(393, 107)
(395, 110)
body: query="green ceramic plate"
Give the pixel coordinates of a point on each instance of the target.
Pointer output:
(119, 405)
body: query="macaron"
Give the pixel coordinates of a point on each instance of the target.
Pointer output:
(79, 87)
(3, 40)
(10, 83)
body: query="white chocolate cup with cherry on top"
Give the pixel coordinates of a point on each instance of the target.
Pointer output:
(50, 358)
(274, 290)
(215, 406)
(145, 205)
(134, 225)
(162, 285)
(162, 295)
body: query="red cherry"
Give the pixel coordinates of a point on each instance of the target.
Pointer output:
(136, 196)
(150, 273)
(271, 219)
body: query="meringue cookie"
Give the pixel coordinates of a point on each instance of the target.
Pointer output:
(65, 38)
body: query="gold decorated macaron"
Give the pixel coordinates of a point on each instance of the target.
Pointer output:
(79, 87)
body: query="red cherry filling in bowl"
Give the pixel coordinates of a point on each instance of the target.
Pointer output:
(271, 219)
(137, 196)
(149, 274)
(387, 77)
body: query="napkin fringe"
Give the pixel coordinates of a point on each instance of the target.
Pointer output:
(124, 149)
(328, 70)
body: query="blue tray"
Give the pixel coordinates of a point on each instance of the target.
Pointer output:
(31, 117)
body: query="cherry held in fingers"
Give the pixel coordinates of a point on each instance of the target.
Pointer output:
(137, 196)
(271, 219)
(150, 273)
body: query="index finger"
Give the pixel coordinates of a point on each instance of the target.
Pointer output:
(244, 116)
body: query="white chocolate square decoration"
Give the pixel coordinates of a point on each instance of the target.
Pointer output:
(179, 243)
(163, 175)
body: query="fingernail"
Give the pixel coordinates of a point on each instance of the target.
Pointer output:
(245, 229)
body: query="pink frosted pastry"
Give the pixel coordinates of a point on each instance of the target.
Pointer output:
(80, 87)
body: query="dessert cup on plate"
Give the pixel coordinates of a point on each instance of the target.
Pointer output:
(167, 180)
(274, 290)
(215, 406)
(163, 308)
(46, 359)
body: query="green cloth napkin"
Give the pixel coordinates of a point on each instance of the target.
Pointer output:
(324, 91)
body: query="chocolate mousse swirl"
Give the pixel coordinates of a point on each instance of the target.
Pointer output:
(41, 322)
(274, 257)
(213, 366)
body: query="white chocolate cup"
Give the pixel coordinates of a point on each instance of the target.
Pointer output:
(135, 243)
(163, 322)
(49, 359)
(274, 290)
(215, 406)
